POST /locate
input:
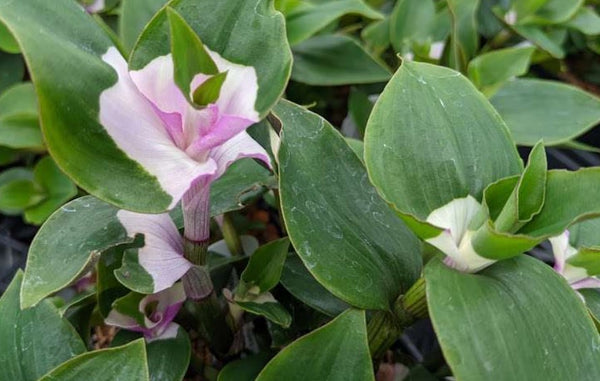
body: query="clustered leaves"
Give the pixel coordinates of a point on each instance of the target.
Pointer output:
(186, 258)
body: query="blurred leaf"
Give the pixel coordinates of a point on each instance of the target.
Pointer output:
(359, 108)
(537, 109)
(245, 369)
(586, 20)
(465, 40)
(306, 20)
(114, 364)
(332, 60)
(17, 195)
(300, 283)
(490, 70)
(7, 41)
(58, 189)
(542, 39)
(553, 11)
(34, 340)
(377, 35)
(411, 20)
(338, 351)
(12, 70)
(341, 229)
(541, 328)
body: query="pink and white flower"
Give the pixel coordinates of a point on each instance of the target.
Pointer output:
(577, 277)
(156, 313)
(184, 147)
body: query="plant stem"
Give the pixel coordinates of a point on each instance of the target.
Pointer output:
(385, 327)
(232, 240)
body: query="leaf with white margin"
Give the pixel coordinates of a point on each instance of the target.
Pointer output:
(434, 119)
(34, 340)
(98, 164)
(67, 245)
(337, 351)
(87, 154)
(124, 363)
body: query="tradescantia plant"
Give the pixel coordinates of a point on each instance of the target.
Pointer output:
(178, 122)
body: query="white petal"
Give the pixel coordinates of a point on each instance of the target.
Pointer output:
(455, 216)
(562, 251)
(240, 146)
(162, 254)
(131, 121)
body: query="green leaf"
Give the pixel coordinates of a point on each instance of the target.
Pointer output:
(7, 41)
(537, 109)
(490, 70)
(243, 181)
(21, 131)
(541, 39)
(508, 323)
(124, 363)
(347, 237)
(377, 35)
(465, 40)
(592, 302)
(34, 340)
(208, 92)
(411, 20)
(8, 155)
(359, 109)
(57, 187)
(586, 20)
(306, 21)
(256, 38)
(338, 351)
(109, 288)
(554, 12)
(317, 62)
(12, 70)
(19, 100)
(67, 245)
(527, 197)
(300, 283)
(585, 234)
(265, 266)
(18, 195)
(245, 369)
(570, 197)
(189, 55)
(168, 359)
(19, 127)
(432, 137)
(271, 309)
(68, 87)
(135, 14)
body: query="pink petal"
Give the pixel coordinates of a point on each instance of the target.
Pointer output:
(591, 282)
(240, 146)
(224, 128)
(131, 121)
(162, 254)
(560, 246)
